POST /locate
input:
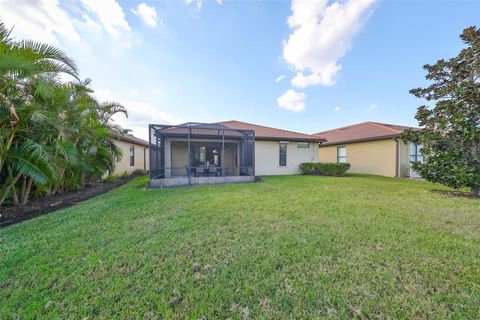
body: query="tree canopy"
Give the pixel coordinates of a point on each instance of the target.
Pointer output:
(450, 130)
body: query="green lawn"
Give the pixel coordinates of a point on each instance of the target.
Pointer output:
(290, 247)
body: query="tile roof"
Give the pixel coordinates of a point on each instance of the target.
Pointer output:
(130, 138)
(269, 133)
(364, 131)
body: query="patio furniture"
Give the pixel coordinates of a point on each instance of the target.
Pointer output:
(192, 172)
(207, 171)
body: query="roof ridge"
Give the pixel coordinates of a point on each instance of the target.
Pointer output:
(384, 126)
(339, 128)
(259, 125)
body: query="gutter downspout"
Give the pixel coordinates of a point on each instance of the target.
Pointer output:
(397, 154)
(145, 158)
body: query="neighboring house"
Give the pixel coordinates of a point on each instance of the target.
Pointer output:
(229, 151)
(370, 147)
(134, 153)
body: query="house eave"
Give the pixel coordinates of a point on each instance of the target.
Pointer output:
(336, 143)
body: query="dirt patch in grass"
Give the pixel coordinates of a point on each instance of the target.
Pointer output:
(461, 194)
(10, 214)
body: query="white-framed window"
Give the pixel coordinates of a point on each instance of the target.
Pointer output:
(303, 145)
(282, 156)
(342, 154)
(132, 156)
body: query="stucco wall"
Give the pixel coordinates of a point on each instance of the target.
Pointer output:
(124, 164)
(372, 157)
(267, 157)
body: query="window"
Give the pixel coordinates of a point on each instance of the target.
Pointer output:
(416, 152)
(283, 155)
(304, 145)
(132, 156)
(342, 154)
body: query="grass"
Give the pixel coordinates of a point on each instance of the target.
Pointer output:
(290, 247)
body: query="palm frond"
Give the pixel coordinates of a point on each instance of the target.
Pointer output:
(4, 32)
(40, 171)
(35, 150)
(47, 52)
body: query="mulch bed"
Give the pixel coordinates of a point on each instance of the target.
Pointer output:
(10, 215)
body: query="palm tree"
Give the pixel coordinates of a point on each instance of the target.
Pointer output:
(54, 136)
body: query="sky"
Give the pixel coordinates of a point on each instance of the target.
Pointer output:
(300, 65)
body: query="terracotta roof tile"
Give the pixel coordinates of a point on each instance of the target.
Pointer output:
(364, 131)
(264, 132)
(130, 138)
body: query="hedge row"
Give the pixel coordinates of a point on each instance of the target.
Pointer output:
(324, 169)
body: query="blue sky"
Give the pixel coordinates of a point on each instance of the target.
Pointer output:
(178, 61)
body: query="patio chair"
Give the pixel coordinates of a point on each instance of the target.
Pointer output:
(191, 172)
(206, 171)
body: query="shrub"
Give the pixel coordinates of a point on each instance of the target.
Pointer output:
(111, 178)
(139, 172)
(324, 169)
(124, 175)
(308, 168)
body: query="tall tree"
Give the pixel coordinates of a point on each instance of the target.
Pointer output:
(450, 130)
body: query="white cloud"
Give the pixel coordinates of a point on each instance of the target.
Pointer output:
(292, 100)
(322, 34)
(280, 78)
(42, 21)
(199, 3)
(90, 23)
(110, 14)
(140, 114)
(372, 107)
(147, 14)
(52, 20)
(336, 109)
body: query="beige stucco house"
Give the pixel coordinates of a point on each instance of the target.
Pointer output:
(229, 151)
(370, 147)
(271, 143)
(134, 153)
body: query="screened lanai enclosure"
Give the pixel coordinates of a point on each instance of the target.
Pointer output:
(200, 153)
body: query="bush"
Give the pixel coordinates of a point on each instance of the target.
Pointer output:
(308, 168)
(324, 169)
(111, 178)
(139, 172)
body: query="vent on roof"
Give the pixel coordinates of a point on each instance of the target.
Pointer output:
(344, 128)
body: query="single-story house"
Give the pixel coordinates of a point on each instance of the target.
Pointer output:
(370, 147)
(134, 153)
(229, 151)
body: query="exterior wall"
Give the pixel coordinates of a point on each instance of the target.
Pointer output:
(141, 155)
(372, 157)
(267, 157)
